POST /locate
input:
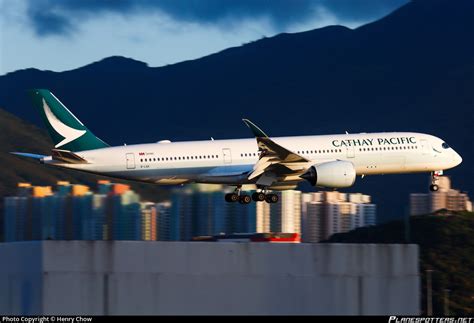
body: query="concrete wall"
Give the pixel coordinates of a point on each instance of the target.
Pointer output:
(139, 277)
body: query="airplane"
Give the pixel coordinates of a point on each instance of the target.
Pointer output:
(278, 163)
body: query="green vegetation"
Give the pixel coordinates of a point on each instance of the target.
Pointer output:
(446, 246)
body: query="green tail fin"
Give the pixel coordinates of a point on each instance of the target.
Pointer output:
(66, 131)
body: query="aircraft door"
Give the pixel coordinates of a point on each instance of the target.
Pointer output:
(227, 155)
(425, 148)
(350, 152)
(130, 158)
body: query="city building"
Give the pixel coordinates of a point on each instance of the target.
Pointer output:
(73, 212)
(327, 213)
(446, 198)
(200, 210)
(149, 221)
(163, 219)
(286, 214)
(115, 212)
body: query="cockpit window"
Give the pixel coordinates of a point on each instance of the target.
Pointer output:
(445, 145)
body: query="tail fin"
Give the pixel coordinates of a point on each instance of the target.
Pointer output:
(66, 131)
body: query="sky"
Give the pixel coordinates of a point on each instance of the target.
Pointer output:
(62, 35)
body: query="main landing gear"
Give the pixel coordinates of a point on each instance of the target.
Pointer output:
(261, 196)
(434, 179)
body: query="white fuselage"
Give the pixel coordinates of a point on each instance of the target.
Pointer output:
(230, 161)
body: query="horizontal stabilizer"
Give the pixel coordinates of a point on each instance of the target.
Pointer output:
(67, 157)
(28, 155)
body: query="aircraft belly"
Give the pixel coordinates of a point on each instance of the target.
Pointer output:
(174, 176)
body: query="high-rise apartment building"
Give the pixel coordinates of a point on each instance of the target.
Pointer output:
(199, 210)
(446, 198)
(115, 212)
(327, 213)
(73, 212)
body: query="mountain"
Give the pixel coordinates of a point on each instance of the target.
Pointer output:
(17, 134)
(446, 246)
(412, 70)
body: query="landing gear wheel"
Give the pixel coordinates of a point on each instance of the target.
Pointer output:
(245, 199)
(271, 198)
(258, 196)
(231, 197)
(434, 179)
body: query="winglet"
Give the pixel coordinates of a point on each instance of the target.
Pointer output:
(256, 130)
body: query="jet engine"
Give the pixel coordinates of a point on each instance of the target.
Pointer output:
(334, 174)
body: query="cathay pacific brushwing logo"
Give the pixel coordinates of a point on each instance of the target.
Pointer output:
(69, 134)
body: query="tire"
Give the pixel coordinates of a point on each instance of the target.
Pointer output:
(434, 188)
(273, 198)
(245, 199)
(231, 197)
(258, 197)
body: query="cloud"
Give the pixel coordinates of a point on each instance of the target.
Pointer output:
(56, 17)
(50, 24)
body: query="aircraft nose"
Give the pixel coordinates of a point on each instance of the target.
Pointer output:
(457, 158)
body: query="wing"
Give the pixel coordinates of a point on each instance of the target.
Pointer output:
(276, 165)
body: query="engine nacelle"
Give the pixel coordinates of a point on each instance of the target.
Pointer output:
(334, 174)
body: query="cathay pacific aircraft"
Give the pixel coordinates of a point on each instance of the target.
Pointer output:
(269, 163)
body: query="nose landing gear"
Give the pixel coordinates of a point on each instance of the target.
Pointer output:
(434, 180)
